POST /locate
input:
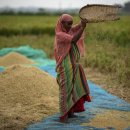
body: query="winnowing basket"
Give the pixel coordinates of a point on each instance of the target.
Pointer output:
(99, 13)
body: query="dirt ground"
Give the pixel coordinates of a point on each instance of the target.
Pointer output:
(109, 84)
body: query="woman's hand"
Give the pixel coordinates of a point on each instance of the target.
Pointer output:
(83, 22)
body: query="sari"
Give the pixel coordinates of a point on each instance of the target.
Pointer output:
(73, 86)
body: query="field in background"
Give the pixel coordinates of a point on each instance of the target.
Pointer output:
(107, 44)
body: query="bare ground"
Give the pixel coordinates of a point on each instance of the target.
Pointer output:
(108, 83)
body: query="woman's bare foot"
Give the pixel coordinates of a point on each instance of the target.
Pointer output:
(71, 115)
(64, 120)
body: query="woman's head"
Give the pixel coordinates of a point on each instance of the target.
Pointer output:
(64, 23)
(67, 21)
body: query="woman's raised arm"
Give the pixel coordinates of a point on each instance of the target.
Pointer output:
(78, 34)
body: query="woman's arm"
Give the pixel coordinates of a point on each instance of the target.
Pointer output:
(78, 34)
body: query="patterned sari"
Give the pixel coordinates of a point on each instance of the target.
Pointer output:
(73, 86)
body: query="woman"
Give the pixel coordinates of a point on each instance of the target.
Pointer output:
(73, 86)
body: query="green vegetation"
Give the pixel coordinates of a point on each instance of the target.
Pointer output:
(107, 44)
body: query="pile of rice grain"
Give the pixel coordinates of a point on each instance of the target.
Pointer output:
(119, 120)
(26, 94)
(14, 58)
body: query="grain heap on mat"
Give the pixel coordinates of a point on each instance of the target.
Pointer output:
(119, 120)
(26, 94)
(14, 58)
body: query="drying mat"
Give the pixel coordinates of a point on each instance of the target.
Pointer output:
(99, 13)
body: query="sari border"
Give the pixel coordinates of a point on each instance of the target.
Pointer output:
(88, 99)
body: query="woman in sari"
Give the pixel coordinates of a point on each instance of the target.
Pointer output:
(73, 86)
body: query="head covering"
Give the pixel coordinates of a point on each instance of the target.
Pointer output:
(65, 18)
(63, 39)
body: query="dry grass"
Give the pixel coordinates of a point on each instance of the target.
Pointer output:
(108, 83)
